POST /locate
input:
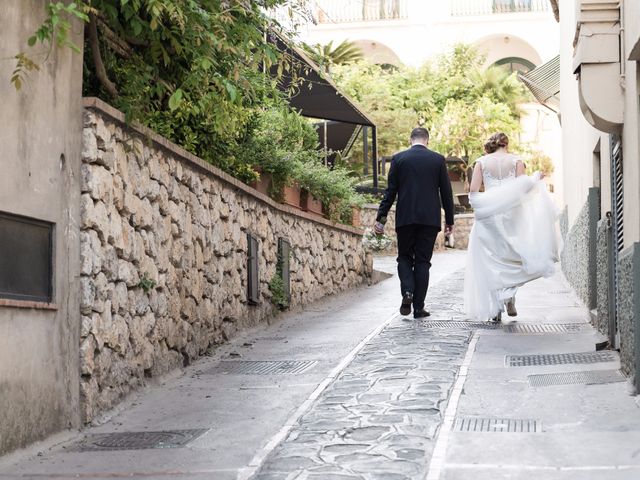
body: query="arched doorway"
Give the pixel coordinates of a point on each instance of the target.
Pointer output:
(507, 49)
(379, 53)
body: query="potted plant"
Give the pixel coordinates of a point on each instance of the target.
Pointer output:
(291, 195)
(309, 203)
(355, 216)
(263, 182)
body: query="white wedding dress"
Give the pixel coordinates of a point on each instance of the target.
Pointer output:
(513, 239)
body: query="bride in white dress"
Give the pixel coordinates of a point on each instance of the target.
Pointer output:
(513, 239)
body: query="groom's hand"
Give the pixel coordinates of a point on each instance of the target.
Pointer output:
(378, 228)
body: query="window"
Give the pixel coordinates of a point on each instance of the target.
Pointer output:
(253, 279)
(26, 259)
(516, 64)
(284, 267)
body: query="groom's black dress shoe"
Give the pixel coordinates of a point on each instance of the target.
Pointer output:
(407, 300)
(420, 313)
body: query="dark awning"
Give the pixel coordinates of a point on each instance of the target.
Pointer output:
(316, 96)
(544, 83)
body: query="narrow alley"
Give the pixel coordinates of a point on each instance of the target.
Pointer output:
(348, 389)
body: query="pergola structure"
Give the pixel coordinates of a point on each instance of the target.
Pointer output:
(316, 96)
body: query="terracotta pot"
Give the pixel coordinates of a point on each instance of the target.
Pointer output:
(291, 195)
(355, 217)
(263, 184)
(309, 203)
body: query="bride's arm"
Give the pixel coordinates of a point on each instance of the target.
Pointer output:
(520, 168)
(476, 178)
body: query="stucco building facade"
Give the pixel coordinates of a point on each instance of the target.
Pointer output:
(599, 85)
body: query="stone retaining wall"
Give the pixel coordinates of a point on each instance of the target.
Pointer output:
(164, 256)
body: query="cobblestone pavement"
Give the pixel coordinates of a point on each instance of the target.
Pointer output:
(379, 419)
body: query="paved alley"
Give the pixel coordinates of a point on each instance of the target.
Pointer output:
(348, 389)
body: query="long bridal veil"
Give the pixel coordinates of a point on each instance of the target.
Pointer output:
(513, 241)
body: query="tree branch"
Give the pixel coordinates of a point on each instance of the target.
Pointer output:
(117, 44)
(101, 72)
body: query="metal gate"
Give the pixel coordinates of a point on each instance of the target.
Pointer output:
(616, 239)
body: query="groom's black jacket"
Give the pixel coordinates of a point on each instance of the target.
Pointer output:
(418, 176)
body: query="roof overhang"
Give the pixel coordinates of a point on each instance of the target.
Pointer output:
(544, 83)
(314, 94)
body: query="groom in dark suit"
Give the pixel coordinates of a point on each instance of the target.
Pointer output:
(418, 177)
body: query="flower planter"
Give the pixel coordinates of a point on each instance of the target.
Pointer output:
(309, 203)
(291, 195)
(263, 184)
(355, 217)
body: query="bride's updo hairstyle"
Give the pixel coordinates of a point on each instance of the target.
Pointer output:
(496, 141)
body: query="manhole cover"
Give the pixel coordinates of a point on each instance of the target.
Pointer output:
(558, 359)
(138, 440)
(545, 328)
(263, 367)
(592, 377)
(463, 325)
(504, 425)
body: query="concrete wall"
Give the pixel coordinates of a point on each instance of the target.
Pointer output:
(582, 146)
(40, 143)
(149, 208)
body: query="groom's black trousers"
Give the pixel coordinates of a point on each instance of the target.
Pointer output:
(415, 248)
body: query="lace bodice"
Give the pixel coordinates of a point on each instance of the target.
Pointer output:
(498, 168)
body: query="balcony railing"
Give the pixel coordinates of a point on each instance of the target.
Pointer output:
(464, 8)
(341, 11)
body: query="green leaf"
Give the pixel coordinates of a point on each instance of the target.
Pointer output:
(32, 40)
(231, 90)
(175, 100)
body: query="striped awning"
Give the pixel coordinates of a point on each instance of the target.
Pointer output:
(544, 83)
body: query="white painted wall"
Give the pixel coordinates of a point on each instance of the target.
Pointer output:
(430, 29)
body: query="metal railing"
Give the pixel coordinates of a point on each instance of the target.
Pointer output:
(341, 11)
(464, 8)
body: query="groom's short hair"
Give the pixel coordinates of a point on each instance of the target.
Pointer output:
(419, 133)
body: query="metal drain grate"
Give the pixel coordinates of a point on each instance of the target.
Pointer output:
(591, 377)
(464, 325)
(545, 328)
(558, 359)
(138, 440)
(504, 425)
(264, 367)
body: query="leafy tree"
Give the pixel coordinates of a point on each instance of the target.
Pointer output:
(459, 101)
(192, 70)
